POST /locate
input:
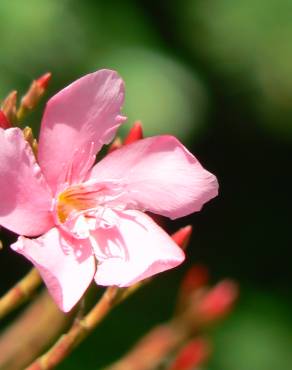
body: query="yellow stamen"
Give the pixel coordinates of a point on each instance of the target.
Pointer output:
(74, 199)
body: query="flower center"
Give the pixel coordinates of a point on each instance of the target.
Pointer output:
(75, 199)
(83, 208)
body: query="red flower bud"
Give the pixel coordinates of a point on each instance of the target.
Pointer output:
(4, 123)
(33, 95)
(218, 301)
(44, 80)
(193, 354)
(135, 133)
(195, 278)
(182, 236)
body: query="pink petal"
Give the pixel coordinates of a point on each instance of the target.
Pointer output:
(25, 199)
(160, 175)
(137, 249)
(66, 266)
(77, 122)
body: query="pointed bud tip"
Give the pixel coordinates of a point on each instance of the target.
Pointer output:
(182, 236)
(33, 95)
(44, 80)
(10, 100)
(12, 95)
(135, 133)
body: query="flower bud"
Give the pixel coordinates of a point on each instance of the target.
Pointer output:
(135, 133)
(4, 123)
(32, 97)
(9, 106)
(182, 236)
(195, 278)
(218, 302)
(44, 80)
(193, 354)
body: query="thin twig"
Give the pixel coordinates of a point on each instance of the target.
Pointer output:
(32, 332)
(20, 292)
(153, 348)
(79, 330)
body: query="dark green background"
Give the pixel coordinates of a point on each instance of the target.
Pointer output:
(218, 74)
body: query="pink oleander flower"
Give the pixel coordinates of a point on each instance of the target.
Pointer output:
(87, 219)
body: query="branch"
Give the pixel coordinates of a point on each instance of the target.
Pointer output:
(38, 326)
(82, 328)
(19, 293)
(150, 351)
(78, 332)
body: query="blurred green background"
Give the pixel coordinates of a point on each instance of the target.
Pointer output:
(217, 74)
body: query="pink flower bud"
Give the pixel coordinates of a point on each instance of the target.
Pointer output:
(136, 133)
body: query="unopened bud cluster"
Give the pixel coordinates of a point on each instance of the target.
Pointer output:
(11, 114)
